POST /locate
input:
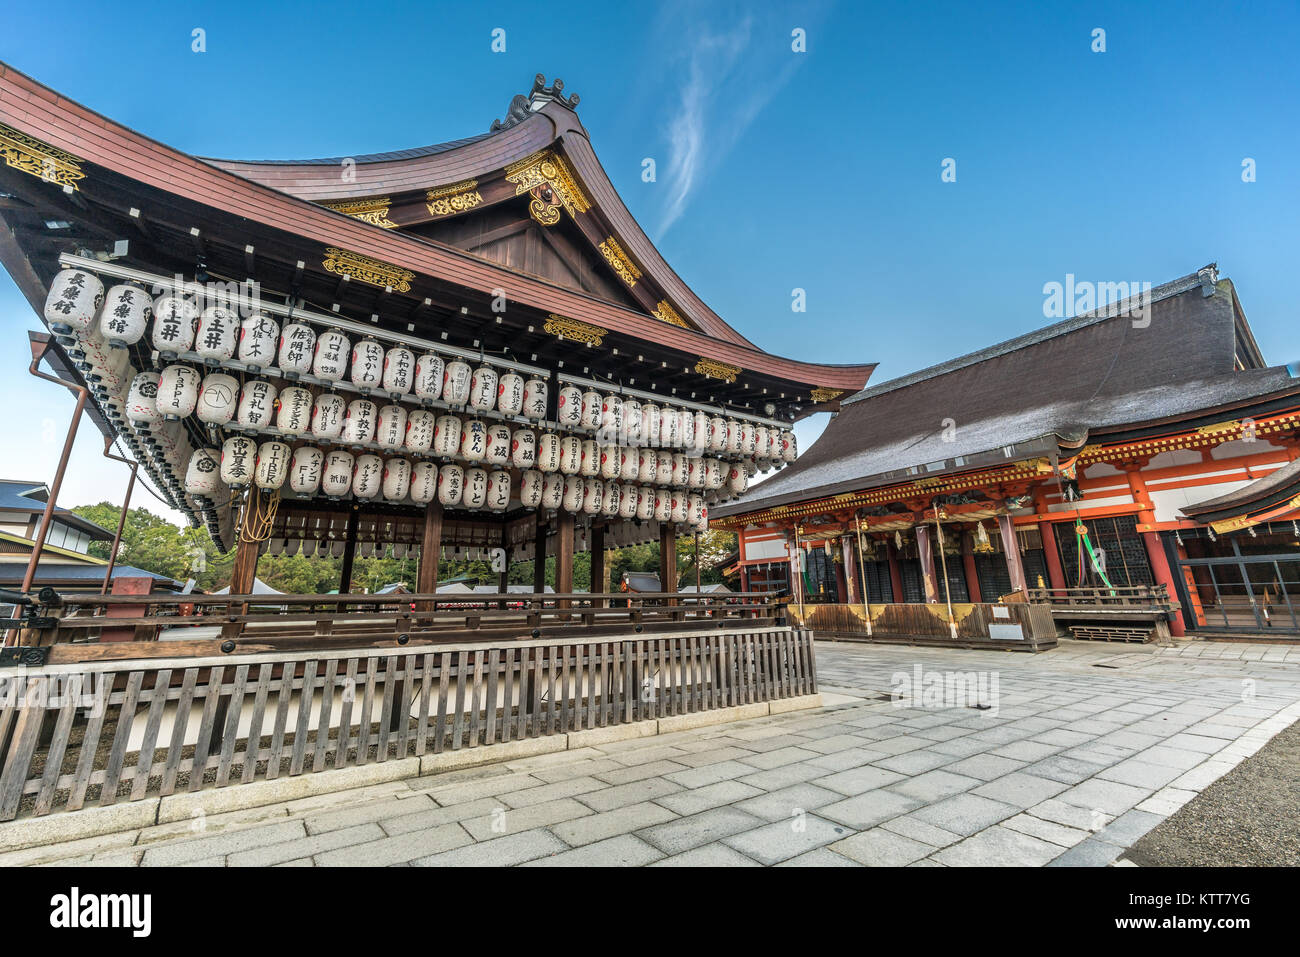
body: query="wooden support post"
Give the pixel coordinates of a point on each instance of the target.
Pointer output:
(1160, 570)
(668, 558)
(972, 576)
(539, 559)
(141, 586)
(430, 544)
(598, 569)
(564, 556)
(895, 575)
(244, 572)
(349, 552)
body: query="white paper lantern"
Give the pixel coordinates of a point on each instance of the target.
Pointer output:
(331, 355)
(663, 468)
(174, 321)
(451, 484)
(670, 424)
(367, 476)
(592, 401)
(498, 444)
(531, 484)
(789, 447)
(611, 415)
(256, 404)
(610, 499)
(645, 502)
(178, 391)
(574, 486)
(748, 439)
(455, 382)
(218, 328)
(632, 422)
(390, 428)
(714, 474)
(337, 480)
(483, 389)
(446, 435)
(367, 364)
(510, 394)
(717, 435)
(700, 432)
(523, 449)
(424, 483)
(681, 473)
(327, 416)
(590, 459)
(627, 500)
(203, 476)
(663, 505)
(428, 376)
(697, 514)
(218, 399)
(126, 314)
(305, 470)
(548, 452)
(142, 400)
(593, 494)
(694, 472)
(297, 345)
(680, 506)
(650, 416)
(473, 441)
(399, 370)
(647, 461)
(238, 460)
(570, 454)
(569, 408)
(774, 444)
(476, 485)
(733, 437)
(272, 465)
(498, 490)
(420, 425)
(293, 410)
(258, 336)
(397, 479)
(74, 301)
(686, 429)
(535, 397)
(610, 461)
(553, 490)
(737, 479)
(359, 423)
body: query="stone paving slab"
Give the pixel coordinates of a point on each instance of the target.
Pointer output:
(1072, 766)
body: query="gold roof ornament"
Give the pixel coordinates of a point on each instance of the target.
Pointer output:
(825, 395)
(619, 261)
(565, 328)
(372, 211)
(374, 272)
(665, 312)
(717, 370)
(551, 183)
(456, 198)
(31, 156)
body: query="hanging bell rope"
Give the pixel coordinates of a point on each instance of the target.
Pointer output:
(258, 517)
(1085, 544)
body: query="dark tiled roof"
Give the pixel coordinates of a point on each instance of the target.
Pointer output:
(1014, 399)
(414, 153)
(12, 499)
(11, 573)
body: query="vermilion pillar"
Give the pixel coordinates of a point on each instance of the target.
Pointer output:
(1160, 570)
(972, 576)
(1051, 553)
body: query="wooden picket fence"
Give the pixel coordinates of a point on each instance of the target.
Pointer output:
(103, 732)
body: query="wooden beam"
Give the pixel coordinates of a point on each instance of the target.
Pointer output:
(245, 569)
(564, 556)
(539, 559)
(598, 569)
(430, 545)
(349, 552)
(668, 557)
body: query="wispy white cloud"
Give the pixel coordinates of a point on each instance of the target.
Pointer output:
(729, 70)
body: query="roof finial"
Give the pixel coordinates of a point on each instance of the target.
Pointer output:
(541, 94)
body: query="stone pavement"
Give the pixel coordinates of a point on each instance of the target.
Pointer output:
(1063, 758)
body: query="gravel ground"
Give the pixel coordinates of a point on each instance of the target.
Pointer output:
(1246, 818)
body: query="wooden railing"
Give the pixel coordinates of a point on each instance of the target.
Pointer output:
(1144, 596)
(96, 627)
(103, 732)
(1013, 625)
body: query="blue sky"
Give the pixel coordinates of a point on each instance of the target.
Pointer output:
(776, 170)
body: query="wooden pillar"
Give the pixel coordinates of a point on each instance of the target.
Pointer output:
(668, 557)
(245, 569)
(539, 559)
(599, 573)
(349, 552)
(426, 577)
(1011, 550)
(143, 586)
(1159, 561)
(564, 556)
(895, 575)
(972, 576)
(1051, 553)
(926, 553)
